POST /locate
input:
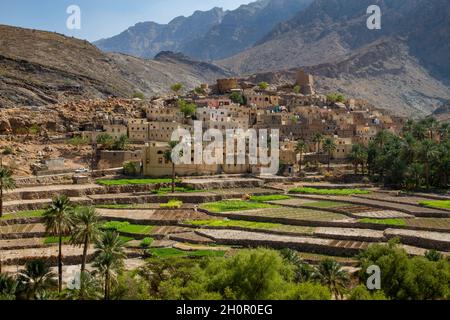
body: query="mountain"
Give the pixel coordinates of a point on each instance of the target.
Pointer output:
(147, 39)
(156, 76)
(242, 28)
(39, 68)
(382, 72)
(331, 36)
(328, 29)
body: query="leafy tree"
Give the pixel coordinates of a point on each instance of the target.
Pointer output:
(336, 97)
(199, 90)
(138, 95)
(301, 148)
(106, 140)
(6, 183)
(297, 89)
(85, 230)
(35, 280)
(331, 274)
(109, 256)
(188, 109)
(236, 97)
(329, 146)
(121, 143)
(434, 255)
(250, 275)
(58, 221)
(130, 286)
(405, 278)
(361, 293)
(176, 87)
(263, 85)
(307, 291)
(131, 168)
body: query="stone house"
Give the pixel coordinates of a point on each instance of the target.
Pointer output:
(138, 130)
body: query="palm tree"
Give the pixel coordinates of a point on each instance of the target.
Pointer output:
(6, 183)
(431, 126)
(8, 287)
(36, 279)
(58, 222)
(85, 230)
(382, 137)
(331, 274)
(444, 131)
(168, 158)
(429, 152)
(318, 138)
(300, 148)
(329, 146)
(109, 256)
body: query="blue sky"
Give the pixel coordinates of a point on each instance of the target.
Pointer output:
(101, 18)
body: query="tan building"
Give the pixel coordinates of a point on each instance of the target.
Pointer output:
(115, 159)
(227, 85)
(138, 130)
(261, 100)
(116, 130)
(306, 82)
(343, 148)
(162, 131)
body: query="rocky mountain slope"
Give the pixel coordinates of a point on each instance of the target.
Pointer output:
(383, 73)
(328, 29)
(147, 39)
(156, 76)
(242, 28)
(209, 35)
(39, 68)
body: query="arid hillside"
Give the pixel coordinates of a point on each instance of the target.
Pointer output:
(39, 68)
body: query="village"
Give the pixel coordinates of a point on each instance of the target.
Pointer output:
(338, 193)
(297, 111)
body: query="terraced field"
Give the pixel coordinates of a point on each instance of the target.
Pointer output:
(286, 213)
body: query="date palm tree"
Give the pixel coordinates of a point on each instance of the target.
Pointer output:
(58, 222)
(85, 230)
(36, 279)
(318, 138)
(109, 256)
(8, 287)
(168, 158)
(429, 152)
(329, 146)
(6, 183)
(300, 148)
(331, 274)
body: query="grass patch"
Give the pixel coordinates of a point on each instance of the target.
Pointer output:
(125, 239)
(125, 182)
(126, 227)
(173, 252)
(389, 222)
(23, 215)
(439, 204)
(234, 205)
(55, 240)
(166, 190)
(172, 204)
(331, 192)
(273, 197)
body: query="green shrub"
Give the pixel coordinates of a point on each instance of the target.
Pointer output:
(172, 204)
(146, 242)
(131, 168)
(138, 95)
